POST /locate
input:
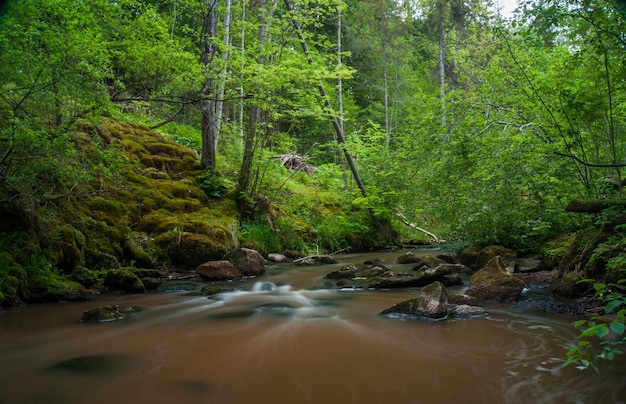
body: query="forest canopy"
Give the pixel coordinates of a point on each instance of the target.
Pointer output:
(469, 124)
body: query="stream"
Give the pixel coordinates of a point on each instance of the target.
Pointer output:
(286, 338)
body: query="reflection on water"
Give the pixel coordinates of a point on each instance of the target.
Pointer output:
(283, 338)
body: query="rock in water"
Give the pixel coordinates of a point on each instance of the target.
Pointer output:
(248, 262)
(493, 283)
(464, 311)
(104, 314)
(218, 271)
(430, 303)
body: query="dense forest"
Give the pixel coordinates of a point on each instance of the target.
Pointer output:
(161, 134)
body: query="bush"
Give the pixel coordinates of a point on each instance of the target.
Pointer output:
(593, 337)
(212, 185)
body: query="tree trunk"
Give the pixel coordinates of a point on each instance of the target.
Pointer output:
(255, 112)
(344, 177)
(207, 105)
(442, 61)
(222, 83)
(383, 35)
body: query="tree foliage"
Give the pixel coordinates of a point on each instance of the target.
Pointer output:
(534, 107)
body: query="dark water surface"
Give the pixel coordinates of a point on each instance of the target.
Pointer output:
(285, 339)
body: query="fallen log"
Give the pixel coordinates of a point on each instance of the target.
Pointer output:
(594, 206)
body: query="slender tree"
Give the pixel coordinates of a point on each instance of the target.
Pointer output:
(209, 95)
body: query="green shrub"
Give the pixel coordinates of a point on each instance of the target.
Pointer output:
(212, 185)
(592, 341)
(259, 236)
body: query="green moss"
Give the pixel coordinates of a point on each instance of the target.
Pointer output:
(166, 149)
(568, 285)
(554, 250)
(608, 261)
(134, 148)
(85, 277)
(124, 279)
(49, 286)
(616, 269)
(69, 244)
(190, 249)
(13, 278)
(143, 250)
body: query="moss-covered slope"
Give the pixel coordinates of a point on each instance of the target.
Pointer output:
(132, 200)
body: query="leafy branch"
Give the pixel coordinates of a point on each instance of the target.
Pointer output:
(584, 354)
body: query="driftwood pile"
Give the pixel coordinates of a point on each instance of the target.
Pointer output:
(295, 162)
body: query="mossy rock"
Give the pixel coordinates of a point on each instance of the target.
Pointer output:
(85, 277)
(13, 280)
(469, 255)
(69, 244)
(568, 286)
(125, 280)
(581, 249)
(143, 250)
(493, 283)
(105, 314)
(51, 287)
(190, 249)
(212, 290)
(608, 262)
(149, 272)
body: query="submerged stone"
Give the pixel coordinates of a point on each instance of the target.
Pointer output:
(104, 314)
(92, 364)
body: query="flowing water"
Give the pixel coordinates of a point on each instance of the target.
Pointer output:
(284, 338)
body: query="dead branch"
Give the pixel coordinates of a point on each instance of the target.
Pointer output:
(431, 236)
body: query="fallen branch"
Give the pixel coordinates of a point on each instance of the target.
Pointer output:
(339, 251)
(414, 227)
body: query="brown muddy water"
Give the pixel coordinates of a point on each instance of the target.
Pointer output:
(283, 338)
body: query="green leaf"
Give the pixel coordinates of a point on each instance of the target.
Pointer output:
(579, 323)
(618, 328)
(599, 287)
(601, 331)
(612, 305)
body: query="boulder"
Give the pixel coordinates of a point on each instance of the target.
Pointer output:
(493, 283)
(277, 258)
(430, 303)
(463, 300)
(447, 257)
(104, 314)
(530, 264)
(124, 279)
(347, 271)
(469, 254)
(218, 271)
(248, 262)
(507, 256)
(464, 311)
(427, 262)
(151, 283)
(444, 273)
(408, 258)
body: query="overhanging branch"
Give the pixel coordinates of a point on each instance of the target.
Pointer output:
(586, 164)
